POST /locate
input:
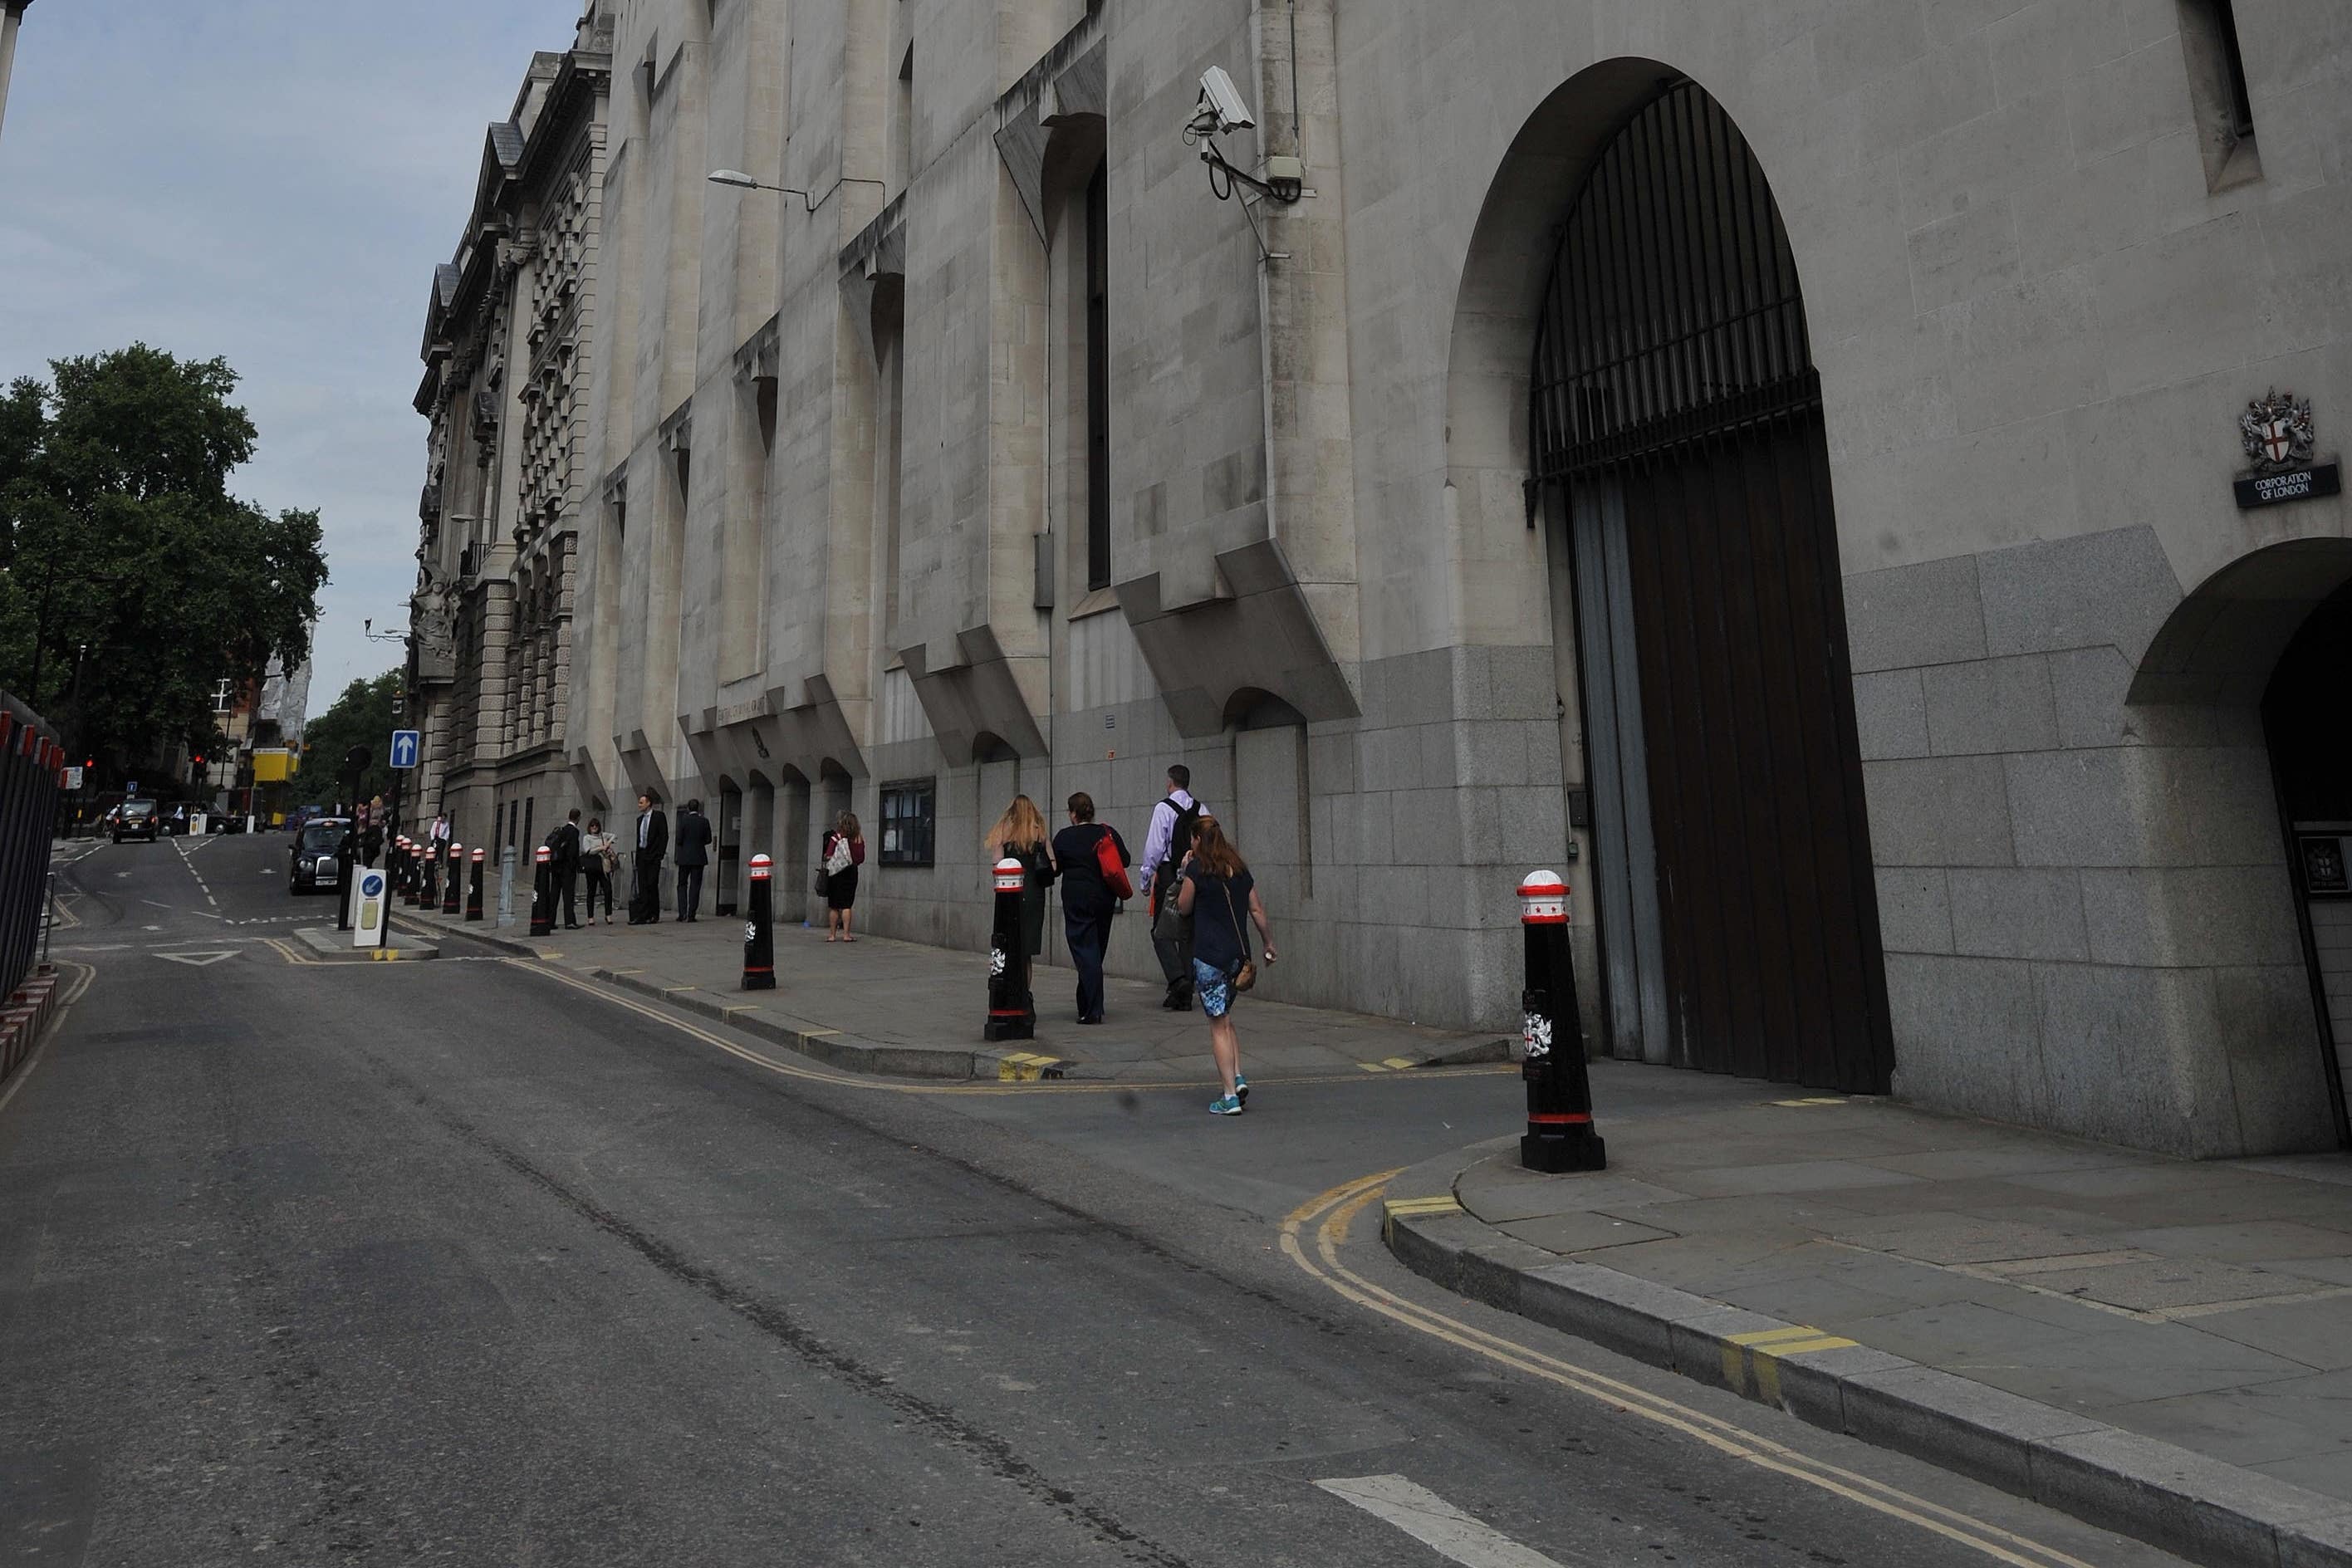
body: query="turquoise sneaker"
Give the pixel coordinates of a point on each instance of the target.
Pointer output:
(1241, 1089)
(1225, 1105)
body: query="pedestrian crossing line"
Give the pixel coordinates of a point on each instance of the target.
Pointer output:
(1334, 1212)
(1437, 1524)
(1415, 1206)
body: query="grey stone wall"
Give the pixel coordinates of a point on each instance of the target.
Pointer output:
(2084, 902)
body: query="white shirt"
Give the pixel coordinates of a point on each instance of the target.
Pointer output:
(644, 826)
(1163, 828)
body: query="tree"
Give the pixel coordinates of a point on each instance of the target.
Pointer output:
(123, 552)
(362, 716)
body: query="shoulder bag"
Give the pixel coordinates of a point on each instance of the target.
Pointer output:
(1247, 975)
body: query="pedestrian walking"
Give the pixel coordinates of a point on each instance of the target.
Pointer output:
(600, 858)
(1165, 845)
(1020, 835)
(563, 862)
(693, 855)
(1087, 851)
(1217, 890)
(845, 851)
(653, 845)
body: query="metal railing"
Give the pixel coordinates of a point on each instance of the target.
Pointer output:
(30, 762)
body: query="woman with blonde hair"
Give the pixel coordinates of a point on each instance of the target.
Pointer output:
(1020, 835)
(845, 851)
(1217, 889)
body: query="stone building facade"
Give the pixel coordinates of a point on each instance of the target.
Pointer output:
(1773, 461)
(509, 338)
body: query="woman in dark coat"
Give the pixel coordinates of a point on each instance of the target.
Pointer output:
(1088, 901)
(1020, 835)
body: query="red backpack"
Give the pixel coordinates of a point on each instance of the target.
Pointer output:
(1113, 875)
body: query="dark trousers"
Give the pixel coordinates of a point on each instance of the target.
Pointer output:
(600, 881)
(1175, 960)
(644, 893)
(567, 889)
(690, 892)
(1089, 933)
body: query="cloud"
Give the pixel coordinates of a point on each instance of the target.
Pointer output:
(271, 181)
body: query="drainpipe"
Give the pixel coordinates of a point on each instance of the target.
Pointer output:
(1302, 317)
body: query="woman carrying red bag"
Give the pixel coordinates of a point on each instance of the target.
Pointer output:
(1087, 851)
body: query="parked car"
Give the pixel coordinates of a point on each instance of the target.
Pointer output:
(138, 819)
(314, 867)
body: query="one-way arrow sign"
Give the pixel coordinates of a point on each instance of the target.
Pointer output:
(198, 959)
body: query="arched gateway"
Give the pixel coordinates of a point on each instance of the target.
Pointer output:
(1678, 452)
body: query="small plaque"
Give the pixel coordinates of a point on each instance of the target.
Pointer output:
(2322, 862)
(2298, 484)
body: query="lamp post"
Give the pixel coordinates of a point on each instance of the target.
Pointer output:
(11, 11)
(743, 181)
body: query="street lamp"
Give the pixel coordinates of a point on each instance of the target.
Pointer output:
(743, 181)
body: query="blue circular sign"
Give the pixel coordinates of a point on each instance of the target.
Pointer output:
(372, 885)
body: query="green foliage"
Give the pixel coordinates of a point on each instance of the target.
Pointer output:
(362, 716)
(121, 549)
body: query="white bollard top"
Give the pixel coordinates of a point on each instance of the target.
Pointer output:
(544, 857)
(1543, 899)
(1012, 876)
(481, 854)
(762, 867)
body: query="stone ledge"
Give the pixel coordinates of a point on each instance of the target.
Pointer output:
(2169, 1497)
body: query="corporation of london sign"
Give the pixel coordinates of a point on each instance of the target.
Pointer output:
(2279, 439)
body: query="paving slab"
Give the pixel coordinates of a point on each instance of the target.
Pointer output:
(2159, 1345)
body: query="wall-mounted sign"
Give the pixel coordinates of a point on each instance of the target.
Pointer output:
(2324, 873)
(2279, 438)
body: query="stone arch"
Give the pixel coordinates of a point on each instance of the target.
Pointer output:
(2224, 640)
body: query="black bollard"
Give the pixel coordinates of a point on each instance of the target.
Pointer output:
(759, 939)
(432, 890)
(474, 891)
(1560, 1135)
(1011, 1012)
(542, 893)
(454, 890)
(346, 856)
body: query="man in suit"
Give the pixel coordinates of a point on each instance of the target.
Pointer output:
(653, 844)
(693, 855)
(563, 860)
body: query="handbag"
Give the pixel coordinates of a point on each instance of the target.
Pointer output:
(822, 886)
(1247, 975)
(1113, 875)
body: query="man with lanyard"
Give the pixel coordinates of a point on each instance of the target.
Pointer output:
(1164, 848)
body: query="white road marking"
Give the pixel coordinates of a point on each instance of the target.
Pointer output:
(1435, 1523)
(194, 960)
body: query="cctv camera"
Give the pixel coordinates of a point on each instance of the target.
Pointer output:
(1222, 109)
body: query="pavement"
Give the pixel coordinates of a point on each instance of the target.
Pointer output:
(486, 1262)
(878, 1006)
(2161, 1345)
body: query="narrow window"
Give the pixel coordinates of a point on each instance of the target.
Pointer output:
(2217, 90)
(1098, 381)
(909, 817)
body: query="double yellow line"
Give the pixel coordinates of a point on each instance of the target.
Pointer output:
(1329, 1219)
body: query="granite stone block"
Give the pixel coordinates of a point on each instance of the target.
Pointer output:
(1927, 613)
(1915, 910)
(1939, 811)
(1890, 714)
(2130, 1058)
(2143, 806)
(1953, 1421)
(2191, 915)
(1968, 1035)
(2017, 912)
(1990, 705)
(2092, 590)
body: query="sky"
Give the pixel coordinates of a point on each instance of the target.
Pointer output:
(272, 182)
